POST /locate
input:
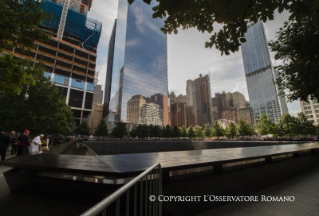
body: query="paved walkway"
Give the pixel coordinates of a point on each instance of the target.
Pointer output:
(305, 189)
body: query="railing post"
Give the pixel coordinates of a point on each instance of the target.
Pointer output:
(153, 187)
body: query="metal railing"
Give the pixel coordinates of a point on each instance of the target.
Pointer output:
(149, 185)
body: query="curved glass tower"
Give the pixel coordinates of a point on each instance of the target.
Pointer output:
(136, 83)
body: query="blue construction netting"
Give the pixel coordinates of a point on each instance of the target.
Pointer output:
(56, 10)
(77, 24)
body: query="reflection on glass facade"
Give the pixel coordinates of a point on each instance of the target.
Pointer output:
(137, 69)
(90, 87)
(61, 79)
(77, 84)
(260, 77)
(47, 74)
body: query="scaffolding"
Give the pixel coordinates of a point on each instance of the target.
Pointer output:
(77, 25)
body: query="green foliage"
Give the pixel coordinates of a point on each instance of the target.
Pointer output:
(288, 125)
(183, 131)
(264, 125)
(119, 131)
(167, 131)
(218, 130)
(16, 73)
(133, 132)
(190, 132)
(82, 129)
(278, 131)
(198, 131)
(101, 129)
(244, 129)
(40, 108)
(231, 131)
(176, 132)
(156, 131)
(20, 26)
(297, 46)
(143, 131)
(208, 131)
(304, 126)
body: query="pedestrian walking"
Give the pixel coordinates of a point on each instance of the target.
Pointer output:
(23, 143)
(36, 142)
(4, 145)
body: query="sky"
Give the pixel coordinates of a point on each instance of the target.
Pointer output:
(188, 57)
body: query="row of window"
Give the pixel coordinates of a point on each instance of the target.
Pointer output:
(62, 80)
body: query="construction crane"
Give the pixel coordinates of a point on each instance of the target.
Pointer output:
(64, 14)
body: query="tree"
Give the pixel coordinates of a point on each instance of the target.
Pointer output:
(144, 131)
(156, 131)
(190, 132)
(101, 129)
(198, 131)
(304, 126)
(218, 130)
(167, 131)
(264, 125)
(208, 131)
(119, 130)
(40, 109)
(183, 131)
(133, 132)
(82, 129)
(278, 131)
(288, 124)
(20, 25)
(244, 129)
(297, 46)
(176, 132)
(231, 131)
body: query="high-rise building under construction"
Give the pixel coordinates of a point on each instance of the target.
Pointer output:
(70, 54)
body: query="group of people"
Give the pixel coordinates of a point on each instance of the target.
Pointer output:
(20, 145)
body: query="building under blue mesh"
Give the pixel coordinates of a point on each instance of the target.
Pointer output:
(77, 24)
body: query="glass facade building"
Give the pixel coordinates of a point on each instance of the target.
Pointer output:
(260, 75)
(137, 67)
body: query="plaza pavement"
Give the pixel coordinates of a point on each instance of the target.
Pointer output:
(304, 187)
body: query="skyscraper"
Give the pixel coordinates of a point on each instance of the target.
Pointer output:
(190, 96)
(260, 76)
(137, 65)
(181, 114)
(311, 110)
(223, 107)
(69, 56)
(198, 94)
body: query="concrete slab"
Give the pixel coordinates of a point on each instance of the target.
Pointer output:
(305, 189)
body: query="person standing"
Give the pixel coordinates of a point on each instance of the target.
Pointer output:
(36, 142)
(61, 139)
(14, 145)
(23, 143)
(7, 139)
